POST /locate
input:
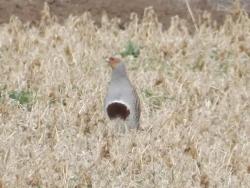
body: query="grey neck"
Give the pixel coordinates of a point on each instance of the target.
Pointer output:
(119, 72)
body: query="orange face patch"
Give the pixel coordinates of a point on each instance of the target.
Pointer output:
(113, 61)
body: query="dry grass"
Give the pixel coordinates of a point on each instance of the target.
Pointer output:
(195, 93)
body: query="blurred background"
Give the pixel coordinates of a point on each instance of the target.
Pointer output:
(29, 10)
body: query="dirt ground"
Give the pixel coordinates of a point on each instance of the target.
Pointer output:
(29, 10)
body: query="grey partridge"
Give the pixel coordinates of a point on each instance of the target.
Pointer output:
(122, 100)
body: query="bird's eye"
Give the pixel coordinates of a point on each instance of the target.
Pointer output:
(111, 59)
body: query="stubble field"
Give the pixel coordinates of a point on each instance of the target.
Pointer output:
(194, 90)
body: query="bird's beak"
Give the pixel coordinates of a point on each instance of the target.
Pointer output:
(107, 59)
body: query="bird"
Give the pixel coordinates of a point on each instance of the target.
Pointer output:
(122, 101)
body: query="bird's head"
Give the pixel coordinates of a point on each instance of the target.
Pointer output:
(113, 61)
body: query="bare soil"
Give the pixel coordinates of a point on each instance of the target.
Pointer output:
(28, 10)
